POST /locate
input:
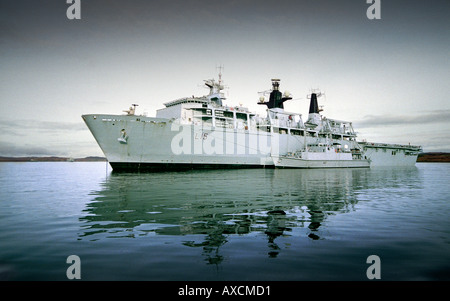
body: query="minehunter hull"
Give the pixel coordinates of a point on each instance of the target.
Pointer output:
(287, 162)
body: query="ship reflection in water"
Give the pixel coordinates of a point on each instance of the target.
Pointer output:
(208, 208)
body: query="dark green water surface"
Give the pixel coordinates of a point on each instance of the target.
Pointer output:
(257, 224)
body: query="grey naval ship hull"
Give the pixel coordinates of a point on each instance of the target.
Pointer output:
(202, 133)
(155, 144)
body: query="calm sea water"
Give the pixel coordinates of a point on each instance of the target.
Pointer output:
(223, 224)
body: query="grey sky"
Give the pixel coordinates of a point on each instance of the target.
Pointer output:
(389, 76)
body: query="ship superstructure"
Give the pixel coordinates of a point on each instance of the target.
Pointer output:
(203, 132)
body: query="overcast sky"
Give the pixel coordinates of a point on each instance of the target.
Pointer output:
(391, 76)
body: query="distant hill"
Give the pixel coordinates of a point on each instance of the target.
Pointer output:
(434, 157)
(91, 159)
(51, 159)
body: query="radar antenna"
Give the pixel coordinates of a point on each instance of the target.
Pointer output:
(276, 98)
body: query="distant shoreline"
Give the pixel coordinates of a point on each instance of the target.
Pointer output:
(52, 159)
(423, 157)
(434, 157)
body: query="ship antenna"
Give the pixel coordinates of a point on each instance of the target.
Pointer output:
(220, 74)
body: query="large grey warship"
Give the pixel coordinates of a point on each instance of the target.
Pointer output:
(203, 132)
